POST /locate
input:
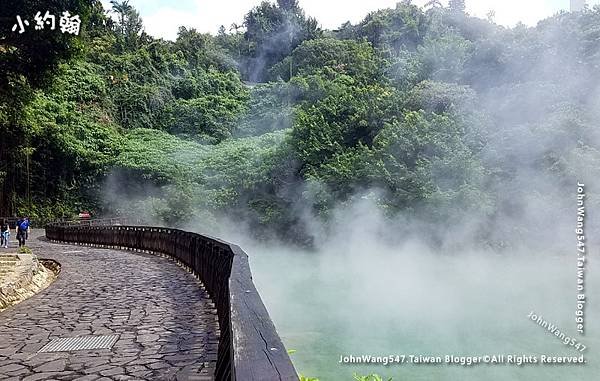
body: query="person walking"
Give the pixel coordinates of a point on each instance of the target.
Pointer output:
(22, 230)
(4, 234)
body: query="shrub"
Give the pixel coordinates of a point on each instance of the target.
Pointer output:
(24, 250)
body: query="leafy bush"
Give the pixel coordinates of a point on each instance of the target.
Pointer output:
(24, 250)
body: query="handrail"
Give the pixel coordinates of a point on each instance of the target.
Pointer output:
(249, 346)
(12, 221)
(94, 222)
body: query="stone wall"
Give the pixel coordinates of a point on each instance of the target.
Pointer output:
(22, 276)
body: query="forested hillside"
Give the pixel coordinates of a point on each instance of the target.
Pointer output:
(425, 112)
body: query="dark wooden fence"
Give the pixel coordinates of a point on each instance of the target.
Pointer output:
(249, 346)
(39, 223)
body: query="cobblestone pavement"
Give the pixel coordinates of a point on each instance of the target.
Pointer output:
(166, 323)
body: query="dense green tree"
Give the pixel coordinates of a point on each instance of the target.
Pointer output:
(270, 108)
(27, 62)
(445, 58)
(332, 132)
(424, 159)
(272, 32)
(129, 27)
(440, 98)
(201, 50)
(357, 59)
(401, 28)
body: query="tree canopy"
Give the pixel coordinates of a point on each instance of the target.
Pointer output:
(428, 112)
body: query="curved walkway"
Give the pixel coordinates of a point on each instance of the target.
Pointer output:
(166, 323)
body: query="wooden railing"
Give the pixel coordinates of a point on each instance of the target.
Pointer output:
(249, 346)
(95, 222)
(12, 221)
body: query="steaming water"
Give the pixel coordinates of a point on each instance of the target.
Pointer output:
(381, 301)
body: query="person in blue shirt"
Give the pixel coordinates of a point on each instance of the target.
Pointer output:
(22, 230)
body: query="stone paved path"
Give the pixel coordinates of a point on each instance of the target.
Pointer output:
(166, 322)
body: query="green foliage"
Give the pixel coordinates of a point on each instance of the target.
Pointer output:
(356, 59)
(335, 131)
(128, 27)
(304, 378)
(440, 97)
(433, 112)
(72, 137)
(201, 50)
(371, 377)
(158, 154)
(347, 114)
(24, 250)
(138, 86)
(425, 158)
(444, 58)
(34, 55)
(230, 176)
(401, 28)
(269, 108)
(209, 107)
(272, 32)
(27, 62)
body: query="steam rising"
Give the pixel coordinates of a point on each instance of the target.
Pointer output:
(369, 289)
